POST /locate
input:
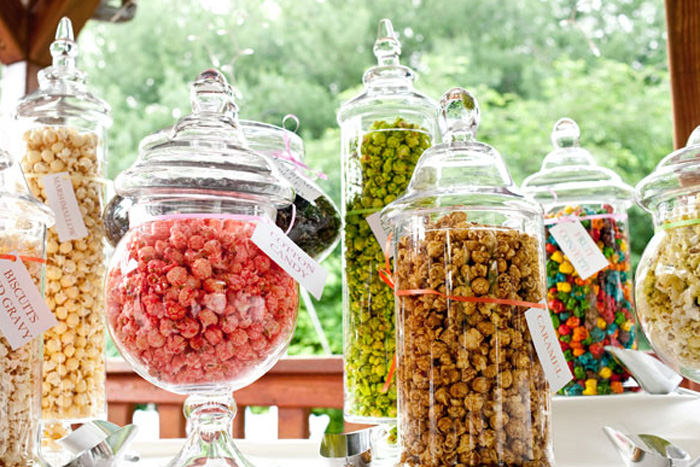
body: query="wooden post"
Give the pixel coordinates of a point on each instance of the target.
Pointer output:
(293, 423)
(25, 35)
(683, 24)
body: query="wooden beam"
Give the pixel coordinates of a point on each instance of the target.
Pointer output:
(683, 24)
(44, 18)
(13, 31)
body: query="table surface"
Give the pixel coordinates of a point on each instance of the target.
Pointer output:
(577, 423)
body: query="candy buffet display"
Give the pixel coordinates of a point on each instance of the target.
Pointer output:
(23, 224)
(192, 303)
(64, 156)
(468, 266)
(668, 278)
(384, 131)
(313, 220)
(590, 309)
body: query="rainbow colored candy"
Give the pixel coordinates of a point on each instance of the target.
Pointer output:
(590, 314)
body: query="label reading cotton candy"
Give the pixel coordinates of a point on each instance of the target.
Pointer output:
(61, 199)
(548, 349)
(302, 267)
(303, 187)
(375, 223)
(23, 312)
(579, 247)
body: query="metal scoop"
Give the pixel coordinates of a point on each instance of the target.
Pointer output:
(98, 444)
(649, 450)
(652, 375)
(355, 447)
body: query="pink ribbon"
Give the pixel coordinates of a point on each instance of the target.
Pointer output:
(289, 156)
(233, 217)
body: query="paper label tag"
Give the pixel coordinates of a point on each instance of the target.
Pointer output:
(303, 187)
(375, 223)
(579, 247)
(302, 267)
(61, 199)
(23, 313)
(548, 349)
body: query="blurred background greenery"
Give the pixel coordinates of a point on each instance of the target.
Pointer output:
(530, 62)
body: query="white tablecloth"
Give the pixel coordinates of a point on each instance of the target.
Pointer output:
(577, 421)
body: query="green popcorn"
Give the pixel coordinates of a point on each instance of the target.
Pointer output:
(386, 159)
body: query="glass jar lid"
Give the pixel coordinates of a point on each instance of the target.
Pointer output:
(388, 83)
(205, 155)
(460, 173)
(570, 174)
(62, 97)
(677, 174)
(268, 139)
(15, 198)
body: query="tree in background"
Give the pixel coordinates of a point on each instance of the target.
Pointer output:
(530, 63)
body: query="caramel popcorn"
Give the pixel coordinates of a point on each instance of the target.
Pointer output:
(74, 368)
(470, 387)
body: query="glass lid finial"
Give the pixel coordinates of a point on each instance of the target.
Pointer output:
(387, 48)
(566, 134)
(459, 115)
(212, 93)
(64, 49)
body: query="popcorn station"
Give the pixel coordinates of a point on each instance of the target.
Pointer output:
(478, 317)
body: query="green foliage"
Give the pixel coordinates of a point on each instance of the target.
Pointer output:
(530, 63)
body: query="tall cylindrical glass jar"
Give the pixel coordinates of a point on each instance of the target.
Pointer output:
(384, 130)
(63, 146)
(23, 224)
(468, 266)
(668, 276)
(595, 311)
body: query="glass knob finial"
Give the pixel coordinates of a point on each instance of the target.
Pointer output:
(387, 48)
(64, 49)
(566, 133)
(459, 115)
(211, 92)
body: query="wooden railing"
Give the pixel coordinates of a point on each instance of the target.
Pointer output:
(295, 385)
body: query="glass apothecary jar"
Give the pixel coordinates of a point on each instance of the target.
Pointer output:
(468, 264)
(62, 144)
(315, 222)
(192, 303)
(384, 130)
(597, 310)
(23, 224)
(668, 279)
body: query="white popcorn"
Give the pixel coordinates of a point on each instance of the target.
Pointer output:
(668, 294)
(74, 275)
(20, 379)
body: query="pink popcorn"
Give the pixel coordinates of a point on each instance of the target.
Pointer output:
(205, 305)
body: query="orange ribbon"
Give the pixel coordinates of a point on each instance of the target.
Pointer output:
(390, 376)
(387, 276)
(24, 258)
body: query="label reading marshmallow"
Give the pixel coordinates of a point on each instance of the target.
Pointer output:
(302, 186)
(548, 349)
(579, 247)
(61, 199)
(382, 236)
(302, 267)
(23, 312)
